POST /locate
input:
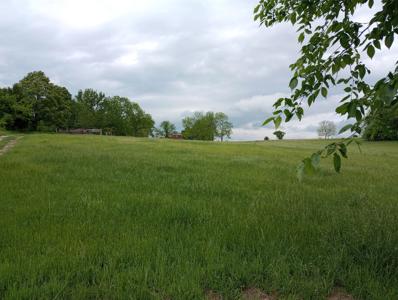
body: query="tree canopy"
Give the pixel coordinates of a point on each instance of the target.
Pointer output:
(166, 128)
(382, 124)
(334, 48)
(34, 103)
(223, 126)
(206, 126)
(200, 126)
(279, 134)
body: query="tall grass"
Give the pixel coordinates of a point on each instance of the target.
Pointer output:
(117, 218)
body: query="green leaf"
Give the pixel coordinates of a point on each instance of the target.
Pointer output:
(293, 18)
(299, 113)
(370, 3)
(288, 115)
(342, 109)
(301, 37)
(315, 160)
(358, 116)
(389, 40)
(308, 167)
(324, 92)
(370, 51)
(331, 148)
(256, 9)
(345, 128)
(343, 150)
(362, 71)
(277, 122)
(293, 83)
(344, 40)
(337, 162)
(268, 120)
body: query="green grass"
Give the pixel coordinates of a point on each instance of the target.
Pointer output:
(5, 140)
(117, 218)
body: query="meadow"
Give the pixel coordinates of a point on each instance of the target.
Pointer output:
(94, 217)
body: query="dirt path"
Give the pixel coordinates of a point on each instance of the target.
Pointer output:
(9, 145)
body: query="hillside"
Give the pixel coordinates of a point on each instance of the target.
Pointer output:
(117, 217)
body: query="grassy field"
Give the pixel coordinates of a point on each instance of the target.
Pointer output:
(85, 217)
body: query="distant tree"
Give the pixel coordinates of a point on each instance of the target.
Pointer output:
(58, 112)
(200, 126)
(141, 122)
(120, 116)
(223, 126)
(167, 128)
(279, 134)
(326, 129)
(382, 124)
(266, 138)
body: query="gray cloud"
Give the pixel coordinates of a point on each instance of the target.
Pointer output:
(173, 57)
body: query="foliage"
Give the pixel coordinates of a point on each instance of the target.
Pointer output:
(90, 110)
(334, 46)
(311, 164)
(382, 124)
(35, 103)
(206, 126)
(117, 218)
(166, 128)
(326, 129)
(200, 126)
(279, 134)
(223, 126)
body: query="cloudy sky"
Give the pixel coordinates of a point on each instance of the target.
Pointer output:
(173, 57)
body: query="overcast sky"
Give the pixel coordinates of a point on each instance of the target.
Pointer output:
(173, 57)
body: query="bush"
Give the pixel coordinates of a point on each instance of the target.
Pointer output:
(42, 127)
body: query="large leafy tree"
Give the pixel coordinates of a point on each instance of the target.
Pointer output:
(206, 126)
(141, 123)
(89, 111)
(36, 103)
(112, 116)
(167, 128)
(334, 47)
(223, 126)
(200, 126)
(120, 116)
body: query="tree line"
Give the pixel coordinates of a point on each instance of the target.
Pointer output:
(36, 104)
